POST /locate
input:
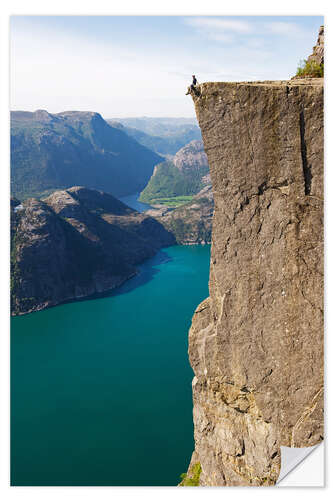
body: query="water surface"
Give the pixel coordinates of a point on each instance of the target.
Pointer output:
(101, 389)
(132, 201)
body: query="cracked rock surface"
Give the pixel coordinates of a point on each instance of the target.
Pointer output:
(256, 343)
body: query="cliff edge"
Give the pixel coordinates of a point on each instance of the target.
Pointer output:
(256, 343)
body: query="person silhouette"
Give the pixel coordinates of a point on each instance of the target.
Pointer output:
(192, 88)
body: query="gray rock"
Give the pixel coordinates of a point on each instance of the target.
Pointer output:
(318, 50)
(191, 224)
(256, 344)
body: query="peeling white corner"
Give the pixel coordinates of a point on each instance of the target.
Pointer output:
(302, 466)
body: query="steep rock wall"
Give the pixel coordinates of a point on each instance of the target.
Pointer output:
(318, 50)
(256, 343)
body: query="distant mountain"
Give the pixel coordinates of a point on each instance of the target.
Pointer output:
(52, 151)
(186, 174)
(159, 126)
(164, 136)
(75, 243)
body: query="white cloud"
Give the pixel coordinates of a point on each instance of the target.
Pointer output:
(230, 31)
(285, 28)
(220, 25)
(255, 43)
(221, 37)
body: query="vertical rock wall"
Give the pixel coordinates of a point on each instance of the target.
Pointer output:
(318, 50)
(256, 343)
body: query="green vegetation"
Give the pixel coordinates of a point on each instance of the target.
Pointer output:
(191, 479)
(169, 181)
(310, 68)
(172, 201)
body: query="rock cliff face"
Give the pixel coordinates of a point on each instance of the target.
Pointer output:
(318, 50)
(75, 243)
(256, 343)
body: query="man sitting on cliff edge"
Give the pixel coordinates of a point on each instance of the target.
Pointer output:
(192, 88)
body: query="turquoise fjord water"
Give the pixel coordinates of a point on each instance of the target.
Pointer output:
(101, 389)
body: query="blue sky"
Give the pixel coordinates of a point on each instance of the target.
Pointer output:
(135, 66)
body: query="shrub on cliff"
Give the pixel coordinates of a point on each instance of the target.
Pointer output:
(193, 477)
(310, 69)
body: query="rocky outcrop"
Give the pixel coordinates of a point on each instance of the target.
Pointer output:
(318, 50)
(313, 66)
(256, 343)
(184, 175)
(191, 224)
(76, 243)
(191, 157)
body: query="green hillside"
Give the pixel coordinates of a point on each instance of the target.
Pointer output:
(168, 182)
(182, 177)
(52, 151)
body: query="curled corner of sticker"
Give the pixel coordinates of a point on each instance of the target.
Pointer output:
(296, 458)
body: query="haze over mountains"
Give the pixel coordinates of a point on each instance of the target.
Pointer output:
(162, 135)
(159, 126)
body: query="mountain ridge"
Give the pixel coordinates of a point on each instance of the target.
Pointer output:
(56, 151)
(76, 243)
